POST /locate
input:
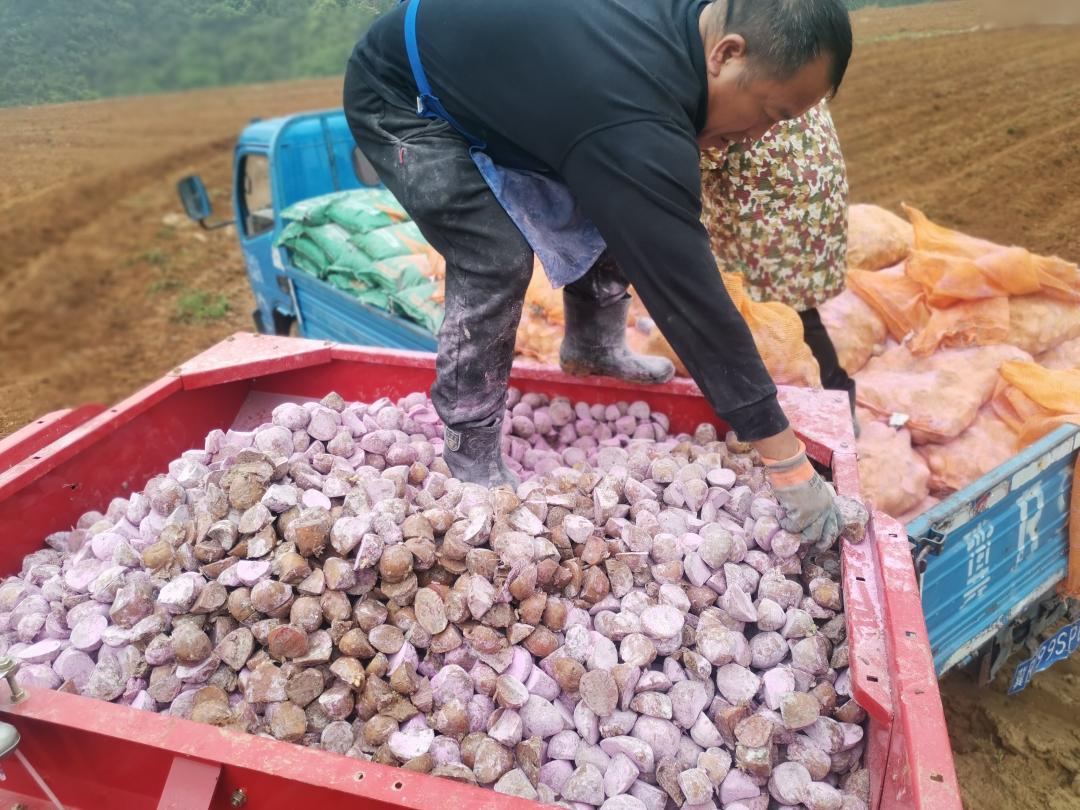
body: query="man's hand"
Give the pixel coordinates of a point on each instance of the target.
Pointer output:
(809, 503)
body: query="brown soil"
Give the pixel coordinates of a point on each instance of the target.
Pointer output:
(98, 257)
(975, 123)
(981, 130)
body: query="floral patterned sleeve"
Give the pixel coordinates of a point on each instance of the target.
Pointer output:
(776, 211)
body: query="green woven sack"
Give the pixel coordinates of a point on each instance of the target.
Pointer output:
(312, 211)
(397, 272)
(358, 290)
(363, 211)
(396, 240)
(357, 216)
(415, 304)
(305, 264)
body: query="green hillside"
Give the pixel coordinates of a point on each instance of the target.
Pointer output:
(67, 50)
(59, 50)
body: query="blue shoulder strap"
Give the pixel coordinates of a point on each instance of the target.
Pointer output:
(427, 104)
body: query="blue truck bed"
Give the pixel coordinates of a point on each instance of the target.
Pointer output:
(990, 556)
(326, 313)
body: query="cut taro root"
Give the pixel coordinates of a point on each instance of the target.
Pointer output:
(629, 628)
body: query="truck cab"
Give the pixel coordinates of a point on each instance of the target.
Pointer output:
(277, 162)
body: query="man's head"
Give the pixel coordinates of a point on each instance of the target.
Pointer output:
(768, 61)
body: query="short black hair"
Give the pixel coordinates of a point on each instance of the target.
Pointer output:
(782, 36)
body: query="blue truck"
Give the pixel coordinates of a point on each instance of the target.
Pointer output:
(988, 558)
(278, 162)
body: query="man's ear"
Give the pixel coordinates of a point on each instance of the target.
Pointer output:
(729, 47)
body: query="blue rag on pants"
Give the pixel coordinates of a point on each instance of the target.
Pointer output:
(544, 209)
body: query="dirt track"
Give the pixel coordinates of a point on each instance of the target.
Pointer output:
(980, 129)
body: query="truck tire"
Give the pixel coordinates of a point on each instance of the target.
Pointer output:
(260, 326)
(285, 325)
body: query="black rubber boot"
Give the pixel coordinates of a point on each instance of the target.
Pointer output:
(595, 343)
(475, 455)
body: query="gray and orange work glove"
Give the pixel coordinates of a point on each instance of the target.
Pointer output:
(810, 507)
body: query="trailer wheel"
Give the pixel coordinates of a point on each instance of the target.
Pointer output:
(285, 325)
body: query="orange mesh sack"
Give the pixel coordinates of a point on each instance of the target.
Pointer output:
(928, 503)
(1038, 323)
(1042, 398)
(877, 238)
(1046, 399)
(538, 339)
(899, 301)
(1009, 270)
(892, 475)
(1063, 356)
(987, 443)
(778, 335)
(948, 279)
(855, 329)
(940, 395)
(968, 323)
(542, 298)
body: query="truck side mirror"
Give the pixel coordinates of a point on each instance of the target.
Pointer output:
(194, 198)
(196, 201)
(365, 172)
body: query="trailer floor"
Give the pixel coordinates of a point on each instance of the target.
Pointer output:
(106, 286)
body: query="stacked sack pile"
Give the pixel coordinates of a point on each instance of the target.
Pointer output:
(363, 243)
(940, 330)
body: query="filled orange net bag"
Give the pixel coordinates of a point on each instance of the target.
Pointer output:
(987, 443)
(939, 395)
(877, 238)
(969, 323)
(955, 290)
(948, 279)
(927, 503)
(1035, 401)
(899, 301)
(1038, 323)
(540, 331)
(1012, 270)
(855, 329)
(1063, 356)
(778, 335)
(892, 475)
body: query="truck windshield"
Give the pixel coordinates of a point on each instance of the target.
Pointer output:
(256, 201)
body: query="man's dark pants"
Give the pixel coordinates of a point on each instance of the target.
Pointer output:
(426, 165)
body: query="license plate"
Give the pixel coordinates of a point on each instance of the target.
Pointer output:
(1056, 648)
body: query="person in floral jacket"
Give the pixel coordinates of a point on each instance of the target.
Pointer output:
(776, 212)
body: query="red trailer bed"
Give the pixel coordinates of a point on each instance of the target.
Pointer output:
(100, 755)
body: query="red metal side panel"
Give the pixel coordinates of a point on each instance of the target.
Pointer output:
(29, 439)
(863, 608)
(920, 770)
(111, 455)
(98, 755)
(190, 784)
(245, 355)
